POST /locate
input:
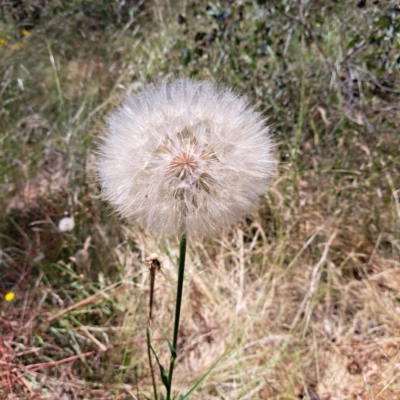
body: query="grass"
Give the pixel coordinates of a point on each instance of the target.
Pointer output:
(301, 299)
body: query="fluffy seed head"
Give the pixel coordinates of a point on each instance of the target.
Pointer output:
(185, 158)
(66, 224)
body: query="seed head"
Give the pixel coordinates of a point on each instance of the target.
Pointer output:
(66, 224)
(185, 158)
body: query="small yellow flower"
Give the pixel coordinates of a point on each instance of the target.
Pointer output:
(17, 46)
(3, 42)
(9, 296)
(25, 32)
(318, 25)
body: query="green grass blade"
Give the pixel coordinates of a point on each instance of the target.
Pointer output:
(186, 396)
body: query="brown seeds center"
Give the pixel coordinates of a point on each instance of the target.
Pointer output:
(182, 166)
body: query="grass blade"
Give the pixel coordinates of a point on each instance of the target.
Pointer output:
(186, 396)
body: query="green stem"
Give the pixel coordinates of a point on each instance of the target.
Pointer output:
(181, 272)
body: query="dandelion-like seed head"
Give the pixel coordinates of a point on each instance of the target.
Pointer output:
(66, 224)
(185, 158)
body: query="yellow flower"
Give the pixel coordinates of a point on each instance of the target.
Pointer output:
(17, 46)
(3, 42)
(9, 296)
(25, 32)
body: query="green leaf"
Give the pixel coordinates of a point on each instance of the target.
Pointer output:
(164, 376)
(186, 397)
(66, 270)
(171, 347)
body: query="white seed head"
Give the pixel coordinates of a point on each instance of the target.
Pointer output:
(66, 224)
(185, 158)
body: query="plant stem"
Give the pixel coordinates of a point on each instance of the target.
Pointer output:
(181, 272)
(150, 362)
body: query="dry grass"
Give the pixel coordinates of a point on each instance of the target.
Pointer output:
(301, 300)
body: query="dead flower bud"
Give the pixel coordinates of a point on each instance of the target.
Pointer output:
(82, 258)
